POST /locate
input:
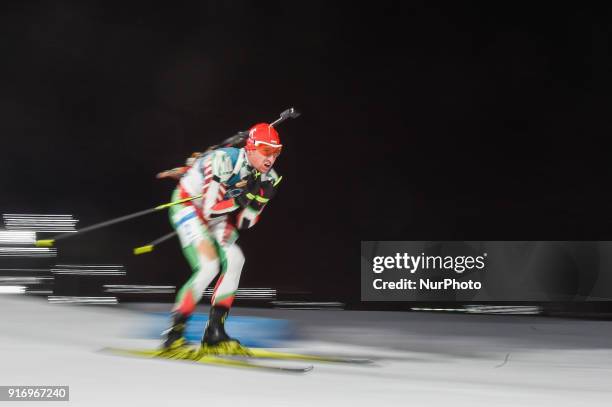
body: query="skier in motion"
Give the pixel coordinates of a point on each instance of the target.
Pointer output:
(236, 184)
(220, 191)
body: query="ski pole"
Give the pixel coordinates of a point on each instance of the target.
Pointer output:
(149, 247)
(290, 113)
(50, 242)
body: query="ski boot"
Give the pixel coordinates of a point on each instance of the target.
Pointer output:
(174, 341)
(216, 341)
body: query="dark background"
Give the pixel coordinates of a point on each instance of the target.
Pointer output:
(421, 121)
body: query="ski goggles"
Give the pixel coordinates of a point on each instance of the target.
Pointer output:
(268, 150)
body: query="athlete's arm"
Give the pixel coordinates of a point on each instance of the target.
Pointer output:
(249, 215)
(250, 189)
(216, 169)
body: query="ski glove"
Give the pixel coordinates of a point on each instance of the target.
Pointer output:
(257, 193)
(250, 191)
(254, 196)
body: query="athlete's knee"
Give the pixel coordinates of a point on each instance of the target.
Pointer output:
(235, 257)
(203, 277)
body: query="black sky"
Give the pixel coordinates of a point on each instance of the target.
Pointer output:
(420, 121)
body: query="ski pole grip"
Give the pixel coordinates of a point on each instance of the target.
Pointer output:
(143, 249)
(45, 243)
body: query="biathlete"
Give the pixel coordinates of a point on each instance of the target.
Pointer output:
(236, 184)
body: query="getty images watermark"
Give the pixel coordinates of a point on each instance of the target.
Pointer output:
(412, 264)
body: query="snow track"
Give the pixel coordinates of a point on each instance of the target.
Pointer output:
(424, 360)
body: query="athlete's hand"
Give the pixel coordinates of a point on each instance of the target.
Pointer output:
(250, 191)
(267, 190)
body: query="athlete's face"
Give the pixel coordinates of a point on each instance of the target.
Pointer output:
(262, 163)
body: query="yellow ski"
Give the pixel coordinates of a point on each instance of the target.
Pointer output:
(192, 354)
